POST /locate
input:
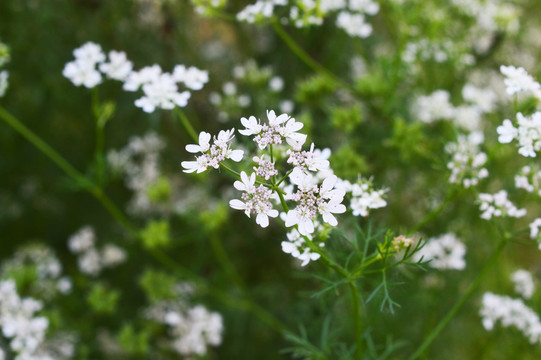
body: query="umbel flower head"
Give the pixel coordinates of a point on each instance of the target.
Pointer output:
(212, 155)
(285, 176)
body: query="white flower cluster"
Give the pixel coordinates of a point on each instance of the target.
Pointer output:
(92, 261)
(445, 252)
(305, 13)
(467, 160)
(534, 231)
(529, 180)
(517, 80)
(4, 59)
(511, 313)
(527, 132)
(48, 270)
(432, 107)
(212, 155)
(256, 199)
(139, 162)
(491, 18)
(160, 88)
(19, 322)
(297, 246)
(496, 205)
(437, 106)
(364, 196)
(259, 11)
(193, 328)
(484, 98)
(524, 284)
(439, 52)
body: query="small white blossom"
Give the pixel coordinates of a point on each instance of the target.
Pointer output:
(312, 200)
(354, 24)
(445, 252)
(527, 133)
(497, 205)
(82, 71)
(518, 80)
(82, 240)
(524, 285)
(255, 199)
(511, 313)
(3, 82)
(163, 93)
(214, 154)
(467, 163)
(118, 67)
(192, 77)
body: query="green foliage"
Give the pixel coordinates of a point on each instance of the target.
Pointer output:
(156, 234)
(132, 342)
(347, 163)
(102, 299)
(347, 118)
(157, 285)
(311, 90)
(160, 191)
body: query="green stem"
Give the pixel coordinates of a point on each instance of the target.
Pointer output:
(45, 148)
(187, 125)
(454, 310)
(434, 213)
(300, 53)
(226, 263)
(357, 320)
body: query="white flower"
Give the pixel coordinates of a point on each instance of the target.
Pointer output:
(192, 77)
(276, 84)
(252, 126)
(90, 262)
(507, 132)
(146, 75)
(118, 67)
(511, 313)
(82, 240)
(3, 82)
(446, 252)
(212, 155)
(523, 282)
(289, 132)
(354, 24)
(497, 205)
(313, 200)
(256, 199)
(83, 71)
(433, 107)
(89, 53)
(518, 80)
(112, 255)
(466, 165)
(162, 92)
(204, 143)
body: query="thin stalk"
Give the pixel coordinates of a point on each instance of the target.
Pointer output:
(100, 142)
(231, 171)
(226, 263)
(187, 125)
(357, 320)
(301, 54)
(434, 213)
(454, 310)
